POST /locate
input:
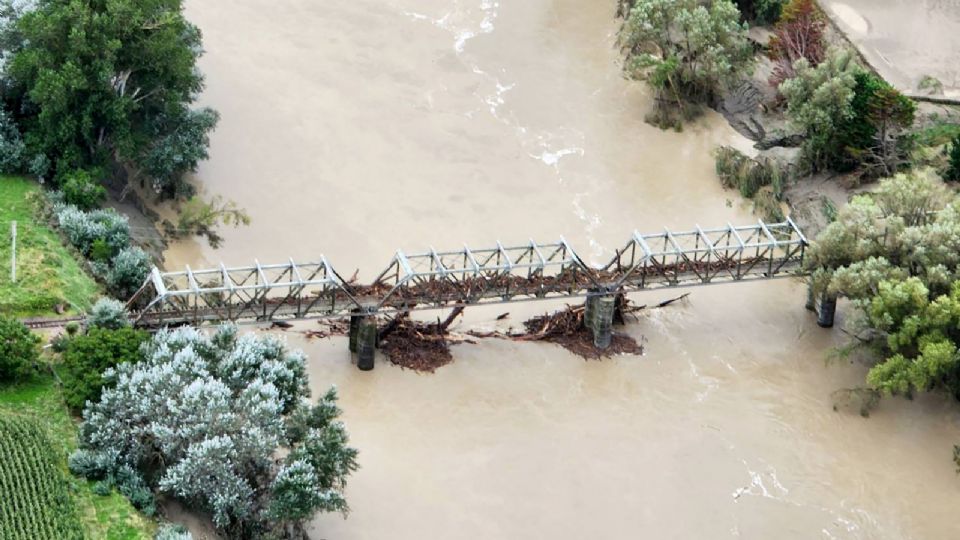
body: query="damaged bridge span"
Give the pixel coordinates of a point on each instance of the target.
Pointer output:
(466, 277)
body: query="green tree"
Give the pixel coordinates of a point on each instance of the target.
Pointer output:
(686, 50)
(871, 135)
(204, 417)
(111, 81)
(18, 350)
(953, 166)
(108, 313)
(87, 357)
(896, 254)
(82, 189)
(820, 102)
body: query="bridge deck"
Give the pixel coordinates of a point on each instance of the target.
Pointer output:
(463, 277)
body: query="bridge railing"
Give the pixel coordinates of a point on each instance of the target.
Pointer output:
(466, 276)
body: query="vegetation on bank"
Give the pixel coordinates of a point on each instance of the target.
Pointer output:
(48, 274)
(96, 95)
(686, 51)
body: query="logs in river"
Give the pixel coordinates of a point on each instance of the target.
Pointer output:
(350, 128)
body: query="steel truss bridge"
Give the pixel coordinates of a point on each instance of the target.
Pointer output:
(466, 277)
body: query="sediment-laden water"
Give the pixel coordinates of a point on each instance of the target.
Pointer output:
(353, 128)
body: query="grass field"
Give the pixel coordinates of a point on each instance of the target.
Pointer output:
(101, 517)
(47, 273)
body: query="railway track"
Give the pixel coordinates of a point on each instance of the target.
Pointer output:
(50, 322)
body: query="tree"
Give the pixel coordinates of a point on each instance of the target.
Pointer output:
(110, 81)
(199, 217)
(761, 11)
(685, 50)
(12, 149)
(896, 254)
(202, 418)
(18, 350)
(953, 166)
(109, 314)
(870, 136)
(799, 34)
(82, 189)
(128, 270)
(819, 102)
(87, 356)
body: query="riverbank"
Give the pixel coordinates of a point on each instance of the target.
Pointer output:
(50, 278)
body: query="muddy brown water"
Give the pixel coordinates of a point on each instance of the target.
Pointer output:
(353, 128)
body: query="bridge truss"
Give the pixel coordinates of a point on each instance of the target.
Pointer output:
(465, 276)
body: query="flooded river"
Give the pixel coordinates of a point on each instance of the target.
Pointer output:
(352, 128)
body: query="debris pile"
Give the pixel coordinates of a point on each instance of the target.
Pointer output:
(416, 345)
(566, 328)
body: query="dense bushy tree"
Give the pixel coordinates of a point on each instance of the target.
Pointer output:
(952, 173)
(819, 102)
(109, 314)
(850, 117)
(84, 228)
(202, 418)
(18, 350)
(128, 270)
(687, 51)
(87, 356)
(761, 11)
(870, 137)
(83, 189)
(799, 34)
(896, 254)
(111, 81)
(12, 149)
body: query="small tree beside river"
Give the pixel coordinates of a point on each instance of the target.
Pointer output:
(687, 52)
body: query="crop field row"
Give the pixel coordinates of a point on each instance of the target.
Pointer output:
(34, 500)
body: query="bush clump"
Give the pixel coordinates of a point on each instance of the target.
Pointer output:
(87, 357)
(128, 271)
(85, 228)
(953, 167)
(109, 314)
(747, 175)
(81, 189)
(19, 350)
(203, 418)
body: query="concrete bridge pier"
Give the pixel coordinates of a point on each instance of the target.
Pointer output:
(825, 306)
(355, 317)
(598, 318)
(826, 309)
(366, 342)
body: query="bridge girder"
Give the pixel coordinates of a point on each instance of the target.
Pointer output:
(462, 277)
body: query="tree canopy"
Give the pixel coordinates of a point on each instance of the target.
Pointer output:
(896, 254)
(202, 418)
(111, 82)
(684, 49)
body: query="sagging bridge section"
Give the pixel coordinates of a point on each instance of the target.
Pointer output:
(465, 277)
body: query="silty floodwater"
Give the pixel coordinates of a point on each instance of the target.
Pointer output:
(352, 128)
